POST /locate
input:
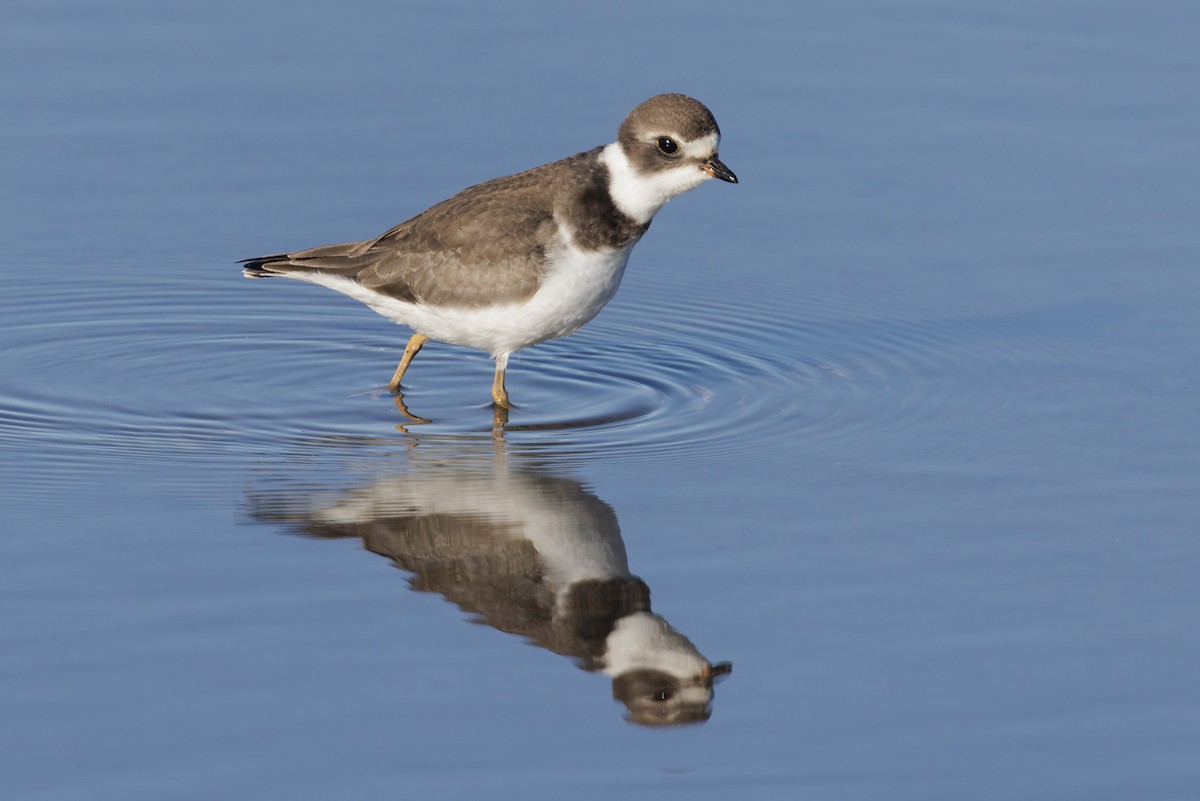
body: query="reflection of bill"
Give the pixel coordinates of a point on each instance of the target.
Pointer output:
(531, 555)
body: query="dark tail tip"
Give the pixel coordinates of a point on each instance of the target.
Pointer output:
(257, 268)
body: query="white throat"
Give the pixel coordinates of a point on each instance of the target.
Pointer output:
(645, 641)
(641, 195)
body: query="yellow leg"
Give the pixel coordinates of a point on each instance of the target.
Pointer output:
(414, 344)
(499, 393)
(499, 421)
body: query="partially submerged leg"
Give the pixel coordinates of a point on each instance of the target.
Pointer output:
(499, 421)
(414, 344)
(499, 393)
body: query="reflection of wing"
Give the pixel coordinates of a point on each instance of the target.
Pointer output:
(484, 569)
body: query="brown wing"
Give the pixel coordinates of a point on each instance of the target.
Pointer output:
(485, 245)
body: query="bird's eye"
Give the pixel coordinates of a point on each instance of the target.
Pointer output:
(664, 694)
(667, 145)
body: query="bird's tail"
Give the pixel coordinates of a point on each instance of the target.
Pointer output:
(260, 267)
(347, 259)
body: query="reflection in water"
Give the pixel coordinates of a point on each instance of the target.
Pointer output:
(526, 553)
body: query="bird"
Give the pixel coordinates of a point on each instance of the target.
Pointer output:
(525, 258)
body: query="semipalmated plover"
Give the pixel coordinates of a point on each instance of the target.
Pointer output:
(518, 260)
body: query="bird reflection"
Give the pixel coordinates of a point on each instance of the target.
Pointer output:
(527, 553)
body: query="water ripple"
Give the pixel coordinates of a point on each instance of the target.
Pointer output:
(201, 363)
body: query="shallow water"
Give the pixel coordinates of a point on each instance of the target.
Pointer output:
(903, 426)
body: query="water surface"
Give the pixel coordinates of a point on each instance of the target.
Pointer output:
(902, 427)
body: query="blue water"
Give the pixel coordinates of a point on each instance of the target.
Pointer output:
(903, 426)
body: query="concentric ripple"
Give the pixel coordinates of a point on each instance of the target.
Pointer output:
(143, 363)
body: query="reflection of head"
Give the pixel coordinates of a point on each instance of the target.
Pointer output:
(657, 673)
(529, 554)
(656, 698)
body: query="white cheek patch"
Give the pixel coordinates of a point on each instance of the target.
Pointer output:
(641, 195)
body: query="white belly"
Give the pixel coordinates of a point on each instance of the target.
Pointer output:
(576, 287)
